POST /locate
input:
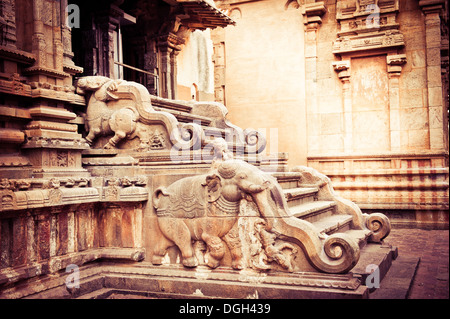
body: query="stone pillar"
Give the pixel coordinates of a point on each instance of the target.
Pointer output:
(312, 13)
(218, 38)
(166, 74)
(343, 70)
(107, 26)
(174, 72)
(168, 47)
(436, 110)
(394, 68)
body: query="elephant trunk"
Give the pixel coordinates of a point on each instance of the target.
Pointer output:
(270, 203)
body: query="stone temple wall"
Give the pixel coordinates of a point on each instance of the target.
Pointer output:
(85, 163)
(372, 101)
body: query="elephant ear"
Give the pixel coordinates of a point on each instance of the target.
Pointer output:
(213, 186)
(157, 195)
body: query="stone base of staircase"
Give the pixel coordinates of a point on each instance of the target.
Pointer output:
(143, 280)
(109, 280)
(375, 262)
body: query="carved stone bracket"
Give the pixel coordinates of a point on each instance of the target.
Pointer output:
(313, 12)
(342, 68)
(395, 63)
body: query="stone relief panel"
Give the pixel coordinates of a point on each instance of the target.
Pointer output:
(237, 215)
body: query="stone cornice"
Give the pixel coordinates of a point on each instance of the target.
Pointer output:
(429, 6)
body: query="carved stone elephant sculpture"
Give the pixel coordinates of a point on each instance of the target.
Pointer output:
(206, 208)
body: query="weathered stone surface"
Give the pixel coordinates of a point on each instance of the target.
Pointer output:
(65, 200)
(367, 106)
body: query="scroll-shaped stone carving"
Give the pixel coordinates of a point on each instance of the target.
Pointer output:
(252, 140)
(380, 226)
(377, 223)
(207, 208)
(123, 109)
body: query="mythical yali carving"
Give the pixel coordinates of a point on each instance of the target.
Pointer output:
(123, 109)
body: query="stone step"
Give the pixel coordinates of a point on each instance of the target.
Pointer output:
(360, 236)
(287, 180)
(185, 117)
(334, 223)
(300, 195)
(398, 280)
(313, 211)
(374, 257)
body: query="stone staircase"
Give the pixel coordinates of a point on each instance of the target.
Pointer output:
(306, 202)
(309, 194)
(321, 207)
(211, 116)
(312, 200)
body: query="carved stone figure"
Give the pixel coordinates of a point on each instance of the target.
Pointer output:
(206, 208)
(116, 107)
(101, 120)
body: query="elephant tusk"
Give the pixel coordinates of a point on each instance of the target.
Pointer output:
(258, 188)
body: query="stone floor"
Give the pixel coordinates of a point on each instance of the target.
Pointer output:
(431, 246)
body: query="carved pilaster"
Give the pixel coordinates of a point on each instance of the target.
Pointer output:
(66, 40)
(342, 68)
(394, 68)
(8, 23)
(438, 118)
(312, 18)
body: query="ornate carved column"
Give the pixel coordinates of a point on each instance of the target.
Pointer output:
(174, 71)
(165, 71)
(66, 39)
(218, 38)
(107, 25)
(432, 10)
